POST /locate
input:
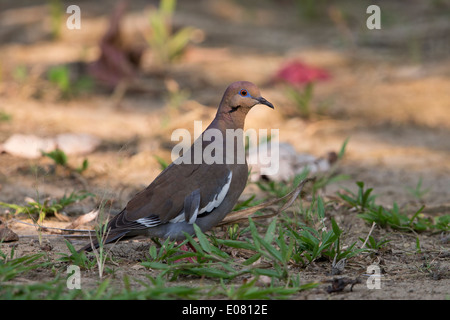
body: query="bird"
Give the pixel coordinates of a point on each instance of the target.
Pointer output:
(193, 192)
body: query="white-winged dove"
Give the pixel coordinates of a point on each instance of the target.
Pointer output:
(187, 193)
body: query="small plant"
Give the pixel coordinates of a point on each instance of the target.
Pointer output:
(167, 45)
(60, 76)
(233, 231)
(100, 253)
(20, 73)
(374, 244)
(4, 116)
(60, 158)
(418, 192)
(442, 223)
(11, 267)
(362, 200)
(83, 167)
(48, 207)
(162, 163)
(299, 80)
(78, 258)
(313, 244)
(302, 99)
(56, 17)
(393, 217)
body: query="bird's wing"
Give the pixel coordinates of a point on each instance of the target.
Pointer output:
(181, 192)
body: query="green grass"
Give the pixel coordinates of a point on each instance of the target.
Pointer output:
(41, 209)
(396, 217)
(253, 260)
(286, 245)
(11, 267)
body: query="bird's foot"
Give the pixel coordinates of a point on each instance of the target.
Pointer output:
(186, 248)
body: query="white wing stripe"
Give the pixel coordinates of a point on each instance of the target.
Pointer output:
(219, 197)
(194, 217)
(217, 201)
(149, 221)
(178, 218)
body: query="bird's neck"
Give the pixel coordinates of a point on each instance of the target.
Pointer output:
(224, 121)
(232, 138)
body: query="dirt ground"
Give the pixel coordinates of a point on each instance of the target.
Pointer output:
(389, 92)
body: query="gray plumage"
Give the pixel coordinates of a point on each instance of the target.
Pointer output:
(184, 194)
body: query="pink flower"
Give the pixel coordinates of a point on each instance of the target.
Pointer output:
(298, 73)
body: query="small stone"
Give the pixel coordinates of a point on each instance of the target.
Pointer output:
(7, 235)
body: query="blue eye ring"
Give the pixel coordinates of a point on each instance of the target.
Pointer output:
(243, 93)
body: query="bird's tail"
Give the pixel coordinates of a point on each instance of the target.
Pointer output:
(106, 234)
(95, 243)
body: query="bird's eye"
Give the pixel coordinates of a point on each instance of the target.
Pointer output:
(243, 93)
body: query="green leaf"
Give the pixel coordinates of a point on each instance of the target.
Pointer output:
(252, 259)
(194, 243)
(415, 215)
(342, 151)
(167, 7)
(335, 228)
(84, 166)
(237, 244)
(153, 253)
(58, 156)
(320, 208)
(202, 239)
(266, 272)
(255, 235)
(270, 233)
(162, 163)
(210, 272)
(272, 250)
(155, 265)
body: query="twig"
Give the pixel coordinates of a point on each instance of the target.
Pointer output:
(242, 215)
(84, 236)
(370, 232)
(43, 228)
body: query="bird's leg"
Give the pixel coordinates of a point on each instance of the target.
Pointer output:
(186, 248)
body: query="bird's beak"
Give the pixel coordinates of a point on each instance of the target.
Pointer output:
(261, 100)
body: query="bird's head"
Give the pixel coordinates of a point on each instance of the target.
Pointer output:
(240, 97)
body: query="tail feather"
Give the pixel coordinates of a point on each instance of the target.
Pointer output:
(94, 243)
(111, 234)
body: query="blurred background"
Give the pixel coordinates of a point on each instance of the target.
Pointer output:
(110, 93)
